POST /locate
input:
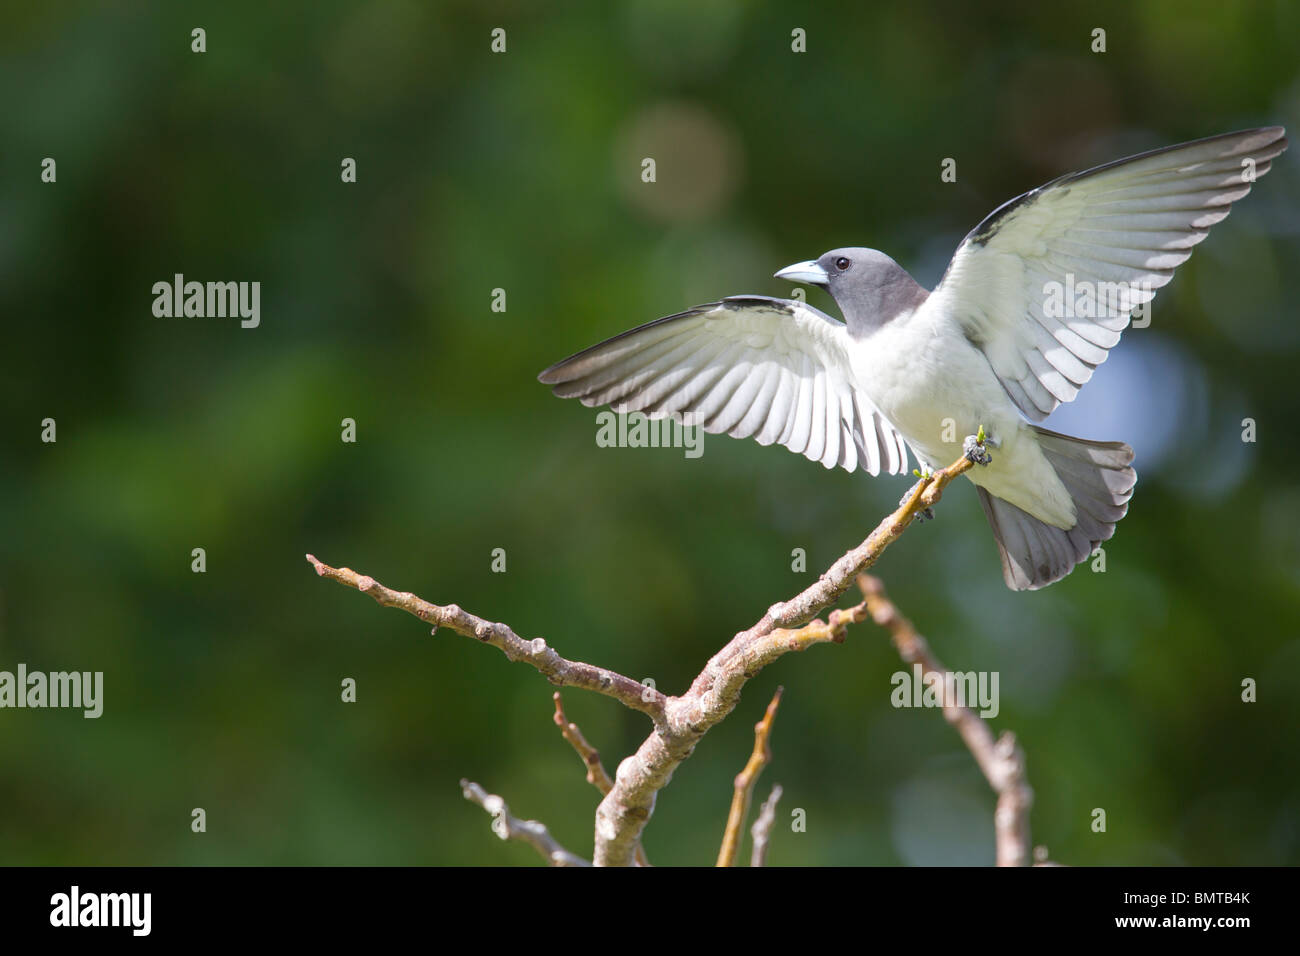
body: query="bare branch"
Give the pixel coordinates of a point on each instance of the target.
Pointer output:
(557, 669)
(839, 577)
(1001, 760)
(762, 828)
(508, 827)
(596, 775)
(623, 813)
(680, 722)
(745, 781)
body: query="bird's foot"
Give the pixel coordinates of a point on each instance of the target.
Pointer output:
(975, 447)
(922, 514)
(975, 452)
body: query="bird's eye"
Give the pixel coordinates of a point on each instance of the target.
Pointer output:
(842, 263)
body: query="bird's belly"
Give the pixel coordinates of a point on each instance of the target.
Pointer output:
(935, 390)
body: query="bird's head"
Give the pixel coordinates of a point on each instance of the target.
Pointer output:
(869, 287)
(839, 267)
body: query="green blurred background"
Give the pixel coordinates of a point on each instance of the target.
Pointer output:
(522, 171)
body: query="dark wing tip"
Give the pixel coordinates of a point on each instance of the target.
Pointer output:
(1270, 138)
(558, 373)
(1253, 140)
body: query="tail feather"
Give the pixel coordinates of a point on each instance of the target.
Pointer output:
(1099, 477)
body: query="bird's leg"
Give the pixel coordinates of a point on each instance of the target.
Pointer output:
(975, 447)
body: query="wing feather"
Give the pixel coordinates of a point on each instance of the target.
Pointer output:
(775, 370)
(1114, 233)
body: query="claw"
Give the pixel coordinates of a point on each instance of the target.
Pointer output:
(974, 447)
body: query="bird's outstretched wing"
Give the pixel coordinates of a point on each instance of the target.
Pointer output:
(774, 369)
(1046, 284)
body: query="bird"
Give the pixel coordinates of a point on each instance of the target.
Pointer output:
(1032, 301)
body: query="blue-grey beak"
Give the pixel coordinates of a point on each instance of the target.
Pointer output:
(808, 272)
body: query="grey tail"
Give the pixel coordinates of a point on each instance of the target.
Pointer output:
(1099, 477)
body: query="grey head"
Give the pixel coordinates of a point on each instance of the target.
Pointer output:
(870, 288)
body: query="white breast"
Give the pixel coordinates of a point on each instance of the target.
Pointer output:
(936, 388)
